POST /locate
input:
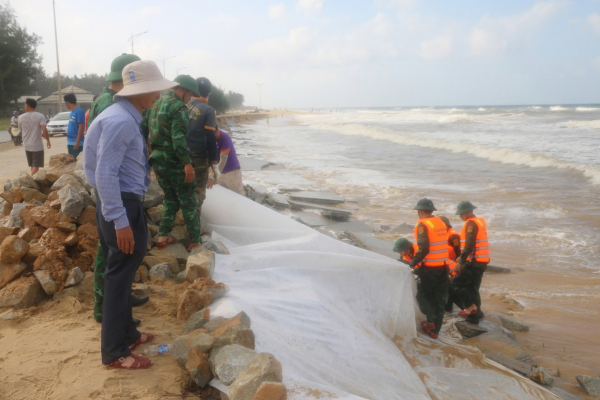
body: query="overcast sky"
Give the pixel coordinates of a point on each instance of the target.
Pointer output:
(342, 53)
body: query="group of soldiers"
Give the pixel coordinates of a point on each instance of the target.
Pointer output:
(449, 266)
(180, 133)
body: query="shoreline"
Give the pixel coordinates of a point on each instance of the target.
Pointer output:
(563, 342)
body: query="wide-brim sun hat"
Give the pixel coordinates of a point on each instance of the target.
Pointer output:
(143, 77)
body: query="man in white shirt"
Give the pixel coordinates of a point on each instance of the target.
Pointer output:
(33, 128)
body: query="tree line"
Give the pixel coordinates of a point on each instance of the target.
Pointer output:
(21, 72)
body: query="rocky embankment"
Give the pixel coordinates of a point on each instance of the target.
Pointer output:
(49, 239)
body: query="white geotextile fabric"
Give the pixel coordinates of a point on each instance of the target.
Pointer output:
(326, 310)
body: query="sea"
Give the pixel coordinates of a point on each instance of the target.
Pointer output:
(532, 171)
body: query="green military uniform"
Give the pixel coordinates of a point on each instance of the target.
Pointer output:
(102, 102)
(432, 286)
(167, 124)
(466, 284)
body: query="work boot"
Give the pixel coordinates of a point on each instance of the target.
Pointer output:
(433, 335)
(136, 321)
(138, 301)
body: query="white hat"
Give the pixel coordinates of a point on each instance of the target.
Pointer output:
(143, 77)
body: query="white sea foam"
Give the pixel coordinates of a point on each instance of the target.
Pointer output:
(481, 109)
(558, 108)
(587, 109)
(594, 124)
(498, 154)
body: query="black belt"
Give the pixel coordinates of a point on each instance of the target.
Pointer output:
(132, 196)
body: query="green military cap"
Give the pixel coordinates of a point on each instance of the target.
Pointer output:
(446, 221)
(464, 206)
(116, 67)
(401, 245)
(425, 204)
(189, 83)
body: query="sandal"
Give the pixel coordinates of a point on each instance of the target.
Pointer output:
(135, 344)
(162, 245)
(427, 326)
(138, 363)
(466, 313)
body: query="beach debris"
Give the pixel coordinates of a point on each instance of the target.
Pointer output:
(200, 264)
(262, 368)
(539, 375)
(590, 384)
(229, 361)
(316, 197)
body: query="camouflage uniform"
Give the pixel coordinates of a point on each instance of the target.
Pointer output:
(167, 125)
(101, 103)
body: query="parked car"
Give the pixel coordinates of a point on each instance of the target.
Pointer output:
(58, 124)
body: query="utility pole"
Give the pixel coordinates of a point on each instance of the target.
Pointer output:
(57, 63)
(164, 60)
(260, 95)
(178, 68)
(133, 37)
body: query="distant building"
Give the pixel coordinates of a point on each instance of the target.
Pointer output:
(49, 105)
(21, 101)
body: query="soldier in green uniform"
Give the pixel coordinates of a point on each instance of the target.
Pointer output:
(101, 103)
(431, 259)
(472, 262)
(167, 125)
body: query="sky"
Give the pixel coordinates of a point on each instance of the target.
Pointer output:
(341, 53)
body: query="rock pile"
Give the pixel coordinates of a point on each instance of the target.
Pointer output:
(48, 232)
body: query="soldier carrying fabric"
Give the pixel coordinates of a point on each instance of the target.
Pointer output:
(167, 125)
(101, 103)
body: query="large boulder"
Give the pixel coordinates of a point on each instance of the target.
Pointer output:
(154, 196)
(239, 335)
(45, 216)
(59, 165)
(71, 201)
(197, 339)
(208, 285)
(213, 245)
(7, 231)
(197, 320)
(49, 285)
(155, 213)
(79, 174)
(12, 249)
(214, 323)
(590, 384)
(512, 323)
(26, 218)
(181, 234)
(75, 276)
(8, 185)
(198, 367)
(84, 292)
(539, 375)
(40, 177)
(15, 215)
(10, 272)
(469, 330)
(29, 234)
(87, 216)
(240, 319)
(27, 181)
(200, 264)
(161, 271)
(24, 292)
(190, 302)
(271, 391)
(262, 368)
(151, 261)
(176, 250)
(230, 361)
(88, 230)
(30, 194)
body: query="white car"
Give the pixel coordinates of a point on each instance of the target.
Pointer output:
(58, 124)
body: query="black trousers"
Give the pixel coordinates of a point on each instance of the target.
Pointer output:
(432, 293)
(466, 285)
(118, 330)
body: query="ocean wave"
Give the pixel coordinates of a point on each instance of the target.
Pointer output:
(558, 108)
(594, 124)
(481, 109)
(586, 109)
(457, 118)
(497, 154)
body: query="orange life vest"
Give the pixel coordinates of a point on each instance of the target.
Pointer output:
(438, 241)
(481, 253)
(408, 258)
(451, 252)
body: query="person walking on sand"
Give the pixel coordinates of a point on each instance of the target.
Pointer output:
(201, 140)
(75, 137)
(33, 129)
(166, 124)
(432, 288)
(115, 163)
(228, 163)
(101, 103)
(472, 262)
